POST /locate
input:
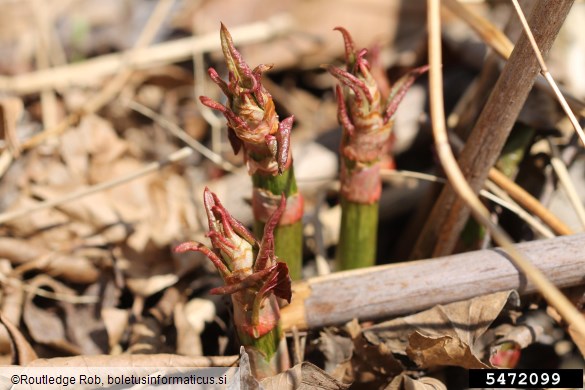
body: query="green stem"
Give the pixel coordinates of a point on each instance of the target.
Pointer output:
(266, 353)
(288, 239)
(358, 235)
(287, 246)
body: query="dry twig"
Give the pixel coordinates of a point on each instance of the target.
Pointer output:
(160, 54)
(495, 194)
(529, 202)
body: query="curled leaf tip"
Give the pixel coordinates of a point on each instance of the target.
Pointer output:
(399, 90)
(349, 45)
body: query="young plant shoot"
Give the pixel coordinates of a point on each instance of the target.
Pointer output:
(254, 278)
(366, 117)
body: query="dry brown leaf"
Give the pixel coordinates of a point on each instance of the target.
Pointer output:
(147, 337)
(304, 376)
(39, 225)
(427, 351)
(94, 214)
(373, 363)
(404, 382)
(22, 351)
(61, 325)
(313, 42)
(48, 325)
(11, 302)
(146, 287)
(100, 142)
(190, 319)
(445, 334)
(116, 323)
(70, 268)
(338, 351)
(246, 381)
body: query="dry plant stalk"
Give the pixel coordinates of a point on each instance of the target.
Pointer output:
(552, 294)
(254, 278)
(254, 128)
(491, 130)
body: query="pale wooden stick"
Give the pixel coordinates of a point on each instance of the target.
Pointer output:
(544, 286)
(404, 288)
(156, 55)
(138, 360)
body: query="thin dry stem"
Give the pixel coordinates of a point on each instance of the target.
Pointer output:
(529, 202)
(182, 135)
(495, 194)
(552, 294)
(546, 73)
(566, 182)
(503, 199)
(43, 50)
